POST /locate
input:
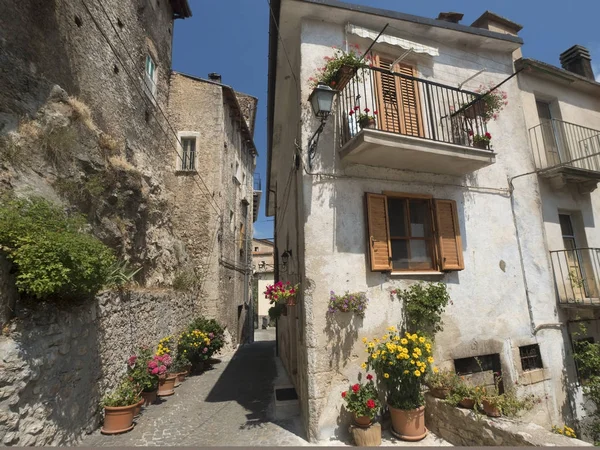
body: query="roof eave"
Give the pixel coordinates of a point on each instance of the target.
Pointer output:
(557, 72)
(274, 13)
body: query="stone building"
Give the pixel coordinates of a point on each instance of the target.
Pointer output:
(413, 199)
(263, 266)
(215, 127)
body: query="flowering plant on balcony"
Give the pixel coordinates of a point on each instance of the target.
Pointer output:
(330, 73)
(481, 140)
(282, 293)
(362, 399)
(365, 120)
(355, 302)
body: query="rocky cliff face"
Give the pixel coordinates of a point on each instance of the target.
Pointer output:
(64, 157)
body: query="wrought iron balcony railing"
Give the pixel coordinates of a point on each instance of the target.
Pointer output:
(410, 106)
(257, 182)
(577, 276)
(556, 143)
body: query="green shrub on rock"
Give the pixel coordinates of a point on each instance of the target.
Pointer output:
(53, 254)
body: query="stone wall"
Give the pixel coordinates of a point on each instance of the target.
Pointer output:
(8, 291)
(462, 427)
(59, 360)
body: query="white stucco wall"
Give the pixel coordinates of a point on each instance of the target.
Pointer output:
(503, 299)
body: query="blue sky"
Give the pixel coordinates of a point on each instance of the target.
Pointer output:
(231, 37)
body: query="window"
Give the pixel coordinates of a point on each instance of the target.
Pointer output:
(409, 233)
(242, 237)
(530, 357)
(483, 370)
(188, 153)
(255, 249)
(150, 77)
(237, 171)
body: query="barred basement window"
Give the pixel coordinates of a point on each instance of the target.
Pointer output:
(530, 357)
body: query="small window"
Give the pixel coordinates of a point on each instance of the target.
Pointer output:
(236, 173)
(150, 76)
(188, 153)
(255, 249)
(409, 233)
(530, 357)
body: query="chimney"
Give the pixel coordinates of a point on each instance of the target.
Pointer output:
(577, 59)
(453, 17)
(214, 77)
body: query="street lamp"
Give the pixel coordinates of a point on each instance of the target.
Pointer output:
(321, 100)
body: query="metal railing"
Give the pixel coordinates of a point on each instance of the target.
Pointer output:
(555, 142)
(410, 106)
(577, 273)
(257, 182)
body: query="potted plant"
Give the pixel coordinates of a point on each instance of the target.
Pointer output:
(166, 382)
(119, 408)
(462, 394)
(481, 140)
(365, 120)
(194, 346)
(281, 292)
(491, 404)
(179, 368)
(489, 105)
(441, 382)
(401, 362)
(355, 302)
(140, 373)
(339, 68)
(362, 401)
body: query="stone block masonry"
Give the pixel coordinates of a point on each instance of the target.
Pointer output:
(57, 361)
(462, 427)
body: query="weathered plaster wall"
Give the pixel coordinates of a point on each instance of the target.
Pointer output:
(57, 361)
(334, 252)
(461, 427)
(8, 291)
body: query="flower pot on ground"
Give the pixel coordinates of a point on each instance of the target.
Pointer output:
(166, 385)
(119, 408)
(149, 397)
(362, 400)
(179, 368)
(208, 334)
(401, 362)
(138, 407)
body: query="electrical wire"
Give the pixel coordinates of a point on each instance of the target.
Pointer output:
(157, 104)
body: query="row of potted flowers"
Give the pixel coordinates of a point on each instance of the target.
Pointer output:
(151, 374)
(403, 363)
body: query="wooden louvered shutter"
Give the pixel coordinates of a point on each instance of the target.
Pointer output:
(448, 235)
(379, 236)
(410, 103)
(388, 89)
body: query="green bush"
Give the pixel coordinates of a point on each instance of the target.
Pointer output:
(213, 329)
(52, 253)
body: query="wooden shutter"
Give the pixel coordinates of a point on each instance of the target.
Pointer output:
(388, 88)
(411, 120)
(448, 235)
(379, 235)
(398, 101)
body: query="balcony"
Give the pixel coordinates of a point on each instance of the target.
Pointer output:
(577, 273)
(420, 125)
(257, 193)
(567, 153)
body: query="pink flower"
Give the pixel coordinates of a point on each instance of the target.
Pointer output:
(131, 361)
(211, 335)
(155, 371)
(204, 350)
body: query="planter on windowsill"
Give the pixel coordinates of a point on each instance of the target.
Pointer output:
(343, 77)
(367, 123)
(482, 145)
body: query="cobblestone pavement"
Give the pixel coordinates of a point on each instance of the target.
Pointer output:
(229, 405)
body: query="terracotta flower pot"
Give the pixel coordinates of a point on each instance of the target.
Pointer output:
(367, 123)
(166, 386)
(362, 421)
(138, 407)
(181, 377)
(118, 419)
(408, 425)
(149, 397)
(467, 403)
(343, 77)
(439, 392)
(490, 410)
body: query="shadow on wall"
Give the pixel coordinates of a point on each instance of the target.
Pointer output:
(342, 333)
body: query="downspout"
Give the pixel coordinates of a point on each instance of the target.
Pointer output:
(275, 267)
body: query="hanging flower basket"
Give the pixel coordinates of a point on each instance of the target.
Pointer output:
(343, 77)
(291, 301)
(477, 109)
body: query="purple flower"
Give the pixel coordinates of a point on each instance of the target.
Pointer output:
(204, 350)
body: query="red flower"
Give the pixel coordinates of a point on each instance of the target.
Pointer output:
(356, 108)
(375, 112)
(470, 132)
(351, 112)
(356, 388)
(370, 404)
(333, 83)
(369, 377)
(367, 110)
(488, 135)
(344, 394)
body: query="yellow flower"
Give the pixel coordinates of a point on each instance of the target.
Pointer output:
(417, 373)
(376, 341)
(430, 360)
(436, 370)
(392, 328)
(386, 375)
(364, 340)
(374, 356)
(421, 339)
(399, 356)
(405, 372)
(363, 365)
(412, 361)
(415, 355)
(396, 338)
(391, 363)
(404, 341)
